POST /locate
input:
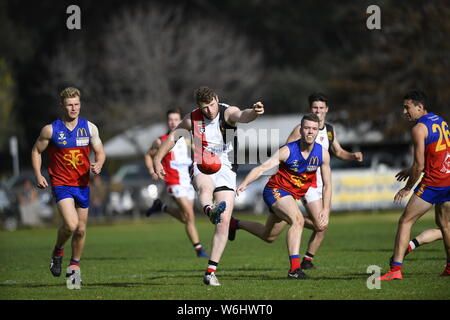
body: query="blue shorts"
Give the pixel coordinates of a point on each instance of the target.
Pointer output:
(79, 194)
(434, 195)
(271, 195)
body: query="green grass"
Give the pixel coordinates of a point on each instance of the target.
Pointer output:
(152, 259)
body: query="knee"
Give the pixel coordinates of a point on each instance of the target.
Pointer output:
(298, 221)
(70, 228)
(187, 217)
(80, 232)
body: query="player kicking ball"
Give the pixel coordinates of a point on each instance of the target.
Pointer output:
(298, 162)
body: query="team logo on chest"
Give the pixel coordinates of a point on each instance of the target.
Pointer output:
(74, 158)
(62, 138)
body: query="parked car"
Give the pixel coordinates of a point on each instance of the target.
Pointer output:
(251, 199)
(133, 190)
(9, 212)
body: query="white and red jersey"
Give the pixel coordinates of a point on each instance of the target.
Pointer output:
(216, 136)
(176, 163)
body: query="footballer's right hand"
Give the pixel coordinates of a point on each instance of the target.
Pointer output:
(402, 175)
(159, 170)
(41, 182)
(241, 188)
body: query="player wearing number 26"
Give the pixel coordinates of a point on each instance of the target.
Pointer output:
(431, 140)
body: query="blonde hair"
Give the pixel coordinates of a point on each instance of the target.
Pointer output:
(69, 92)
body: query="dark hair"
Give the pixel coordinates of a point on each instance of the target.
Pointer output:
(310, 117)
(173, 110)
(317, 96)
(417, 96)
(205, 95)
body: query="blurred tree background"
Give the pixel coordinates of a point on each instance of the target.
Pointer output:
(133, 59)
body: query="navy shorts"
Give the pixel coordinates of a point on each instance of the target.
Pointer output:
(434, 195)
(79, 194)
(271, 195)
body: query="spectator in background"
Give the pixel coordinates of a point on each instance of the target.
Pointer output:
(99, 193)
(28, 200)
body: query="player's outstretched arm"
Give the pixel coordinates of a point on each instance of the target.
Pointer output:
(148, 158)
(235, 115)
(169, 143)
(419, 134)
(342, 154)
(325, 171)
(295, 134)
(281, 155)
(36, 154)
(99, 151)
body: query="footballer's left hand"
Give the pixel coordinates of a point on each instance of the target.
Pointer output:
(96, 168)
(258, 108)
(358, 156)
(401, 194)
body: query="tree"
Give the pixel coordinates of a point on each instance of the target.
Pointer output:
(153, 58)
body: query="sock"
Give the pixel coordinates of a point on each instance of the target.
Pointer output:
(396, 266)
(198, 247)
(206, 209)
(412, 245)
(74, 262)
(212, 267)
(58, 252)
(308, 256)
(295, 262)
(234, 223)
(448, 265)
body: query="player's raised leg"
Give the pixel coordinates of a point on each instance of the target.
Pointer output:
(187, 216)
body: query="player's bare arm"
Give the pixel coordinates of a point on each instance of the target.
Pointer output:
(148, 158)
(235, 115)
(97, 147)
(281, 155)
(36, 154)
(325, 171)
(169, 143)
(342, 154)
(295, 134)
(419, 134)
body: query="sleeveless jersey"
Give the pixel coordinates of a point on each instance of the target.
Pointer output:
(215, 136)
(325, 137)
(437, 151)
(297, 174)
(68, 154)
(176, 163)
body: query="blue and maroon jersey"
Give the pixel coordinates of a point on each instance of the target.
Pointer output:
(297, 174)
(437, 151)
(68, 154)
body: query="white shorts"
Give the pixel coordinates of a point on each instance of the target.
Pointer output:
(181, 191)
(225, 177)
(313, 194)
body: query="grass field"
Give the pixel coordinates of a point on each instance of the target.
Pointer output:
(152, 259)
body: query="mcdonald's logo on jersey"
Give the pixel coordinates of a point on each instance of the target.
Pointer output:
(313, 164)
(81, 132)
